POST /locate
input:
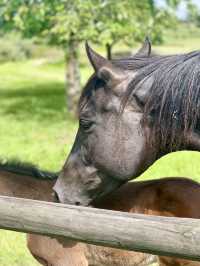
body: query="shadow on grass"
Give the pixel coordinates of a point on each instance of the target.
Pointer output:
(41, 101)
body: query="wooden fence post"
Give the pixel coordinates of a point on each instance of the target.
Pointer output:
(152, 234)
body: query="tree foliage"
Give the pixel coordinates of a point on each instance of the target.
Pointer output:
(102, 21)
(67, 23)
(193, 13)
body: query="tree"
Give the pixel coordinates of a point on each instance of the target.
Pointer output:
(121, 21)
(63, 23)
(101, 21)
(68, 23)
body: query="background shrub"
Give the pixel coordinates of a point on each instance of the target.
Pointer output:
(14, 48)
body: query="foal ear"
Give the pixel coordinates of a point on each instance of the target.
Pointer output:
(104, 68)
(145, 50)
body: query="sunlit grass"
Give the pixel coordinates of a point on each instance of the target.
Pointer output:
(13, 250)
(182, 164)
(34, 123)
(34, 127)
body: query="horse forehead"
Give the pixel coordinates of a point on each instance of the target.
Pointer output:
(106, 98)
(97, 100)
(108, 102)
(111, 98)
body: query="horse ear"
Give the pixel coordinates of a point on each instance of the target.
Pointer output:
(145, 50)
(103, 67)
(96, 60)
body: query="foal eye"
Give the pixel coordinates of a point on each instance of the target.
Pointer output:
(85, 124)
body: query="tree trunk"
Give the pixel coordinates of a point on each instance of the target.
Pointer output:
(72, 78)
(109, 51)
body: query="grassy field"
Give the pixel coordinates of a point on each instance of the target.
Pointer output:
(35, 127)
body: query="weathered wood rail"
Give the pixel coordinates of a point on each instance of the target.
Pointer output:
(157, 235)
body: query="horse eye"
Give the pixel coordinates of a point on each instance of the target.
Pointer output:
(85, 124)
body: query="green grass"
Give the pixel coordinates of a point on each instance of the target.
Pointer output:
(182, 164)
(34, 124)
(13, 251)
(184, 38)
(35, 127)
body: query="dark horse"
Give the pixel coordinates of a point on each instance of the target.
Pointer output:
(131, 112)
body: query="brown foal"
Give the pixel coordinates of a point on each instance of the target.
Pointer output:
(178, 197)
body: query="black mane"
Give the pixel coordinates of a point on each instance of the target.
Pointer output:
(173, 101)
(26, 169)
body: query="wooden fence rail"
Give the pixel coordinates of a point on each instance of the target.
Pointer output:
(152, 234)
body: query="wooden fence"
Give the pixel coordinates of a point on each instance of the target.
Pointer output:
(178, 237)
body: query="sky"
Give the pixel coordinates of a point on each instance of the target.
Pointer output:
(182, 9)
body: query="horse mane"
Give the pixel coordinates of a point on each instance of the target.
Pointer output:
(173, 102)
(26, 169)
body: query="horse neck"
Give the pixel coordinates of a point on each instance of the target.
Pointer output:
(25, 186)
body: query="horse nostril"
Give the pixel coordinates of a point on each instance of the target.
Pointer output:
(77, 203)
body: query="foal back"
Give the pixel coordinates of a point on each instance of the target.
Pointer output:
(171, 196)
(25, 186)
(48, 251)
(176, 197)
